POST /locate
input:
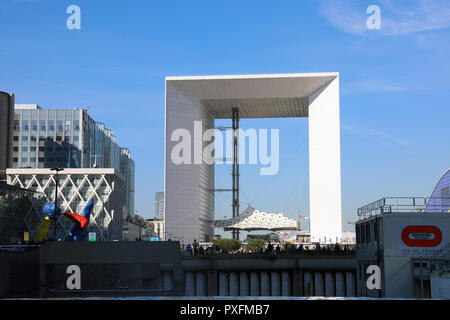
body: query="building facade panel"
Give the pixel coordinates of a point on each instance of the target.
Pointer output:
(75, 188)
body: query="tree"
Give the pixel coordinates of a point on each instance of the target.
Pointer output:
(227, 244)
(255, 244)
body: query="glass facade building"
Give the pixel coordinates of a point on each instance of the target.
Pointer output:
(440, 198)
(68, 138)
(127, 170)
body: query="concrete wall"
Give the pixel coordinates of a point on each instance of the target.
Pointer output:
(325, 164)
(189, 200)
(268, 275)
(112, 268)
(157, 268)
(19, 272)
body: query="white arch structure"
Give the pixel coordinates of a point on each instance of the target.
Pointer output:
(189, 200)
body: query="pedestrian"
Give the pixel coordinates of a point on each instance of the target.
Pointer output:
(270, 247)
(195, 246)
(189, 249)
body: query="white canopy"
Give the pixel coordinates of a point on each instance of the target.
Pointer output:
(252, 219)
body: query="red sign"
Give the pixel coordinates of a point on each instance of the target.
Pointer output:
(421, 236)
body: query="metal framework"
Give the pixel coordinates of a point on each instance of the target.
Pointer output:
(405, 204)
(74, 191)
(235, 173)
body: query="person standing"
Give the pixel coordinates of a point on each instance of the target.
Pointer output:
(195, 245)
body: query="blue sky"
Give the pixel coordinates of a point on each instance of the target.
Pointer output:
(394, 82)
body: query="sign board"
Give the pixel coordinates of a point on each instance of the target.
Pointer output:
(26, 236)
(440, 286)
(421, 240)
(154, 239)
(92, 236)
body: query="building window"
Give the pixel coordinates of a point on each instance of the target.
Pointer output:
(368, 237)
(15, 159)
(16, 138)
(363, 233)
(375, 230)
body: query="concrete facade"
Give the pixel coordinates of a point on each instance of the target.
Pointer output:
(112, 268)
(381, 241)
(189, 199)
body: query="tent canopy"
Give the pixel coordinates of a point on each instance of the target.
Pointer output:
(252, 219)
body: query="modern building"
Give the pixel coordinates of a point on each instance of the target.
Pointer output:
(69, 138)
(440, 197)
(127, 170)
(408, 239)
(75, 187)
(6, 132)
(137, 228)
(189, 186)
(159, 205)
(19, 212)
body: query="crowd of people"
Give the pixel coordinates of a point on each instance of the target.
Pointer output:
(270, 248)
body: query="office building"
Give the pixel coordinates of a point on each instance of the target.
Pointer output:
(159, 205)
(6, 132)
(408, 239)
(137, 228)
(127, 170)
(69, 138)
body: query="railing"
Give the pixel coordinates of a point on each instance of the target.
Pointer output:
(405, 204)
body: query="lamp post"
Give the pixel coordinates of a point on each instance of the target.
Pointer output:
(56, 169)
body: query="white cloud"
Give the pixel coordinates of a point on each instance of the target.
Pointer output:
(396, 18)
(380, 137)
(367, 86)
